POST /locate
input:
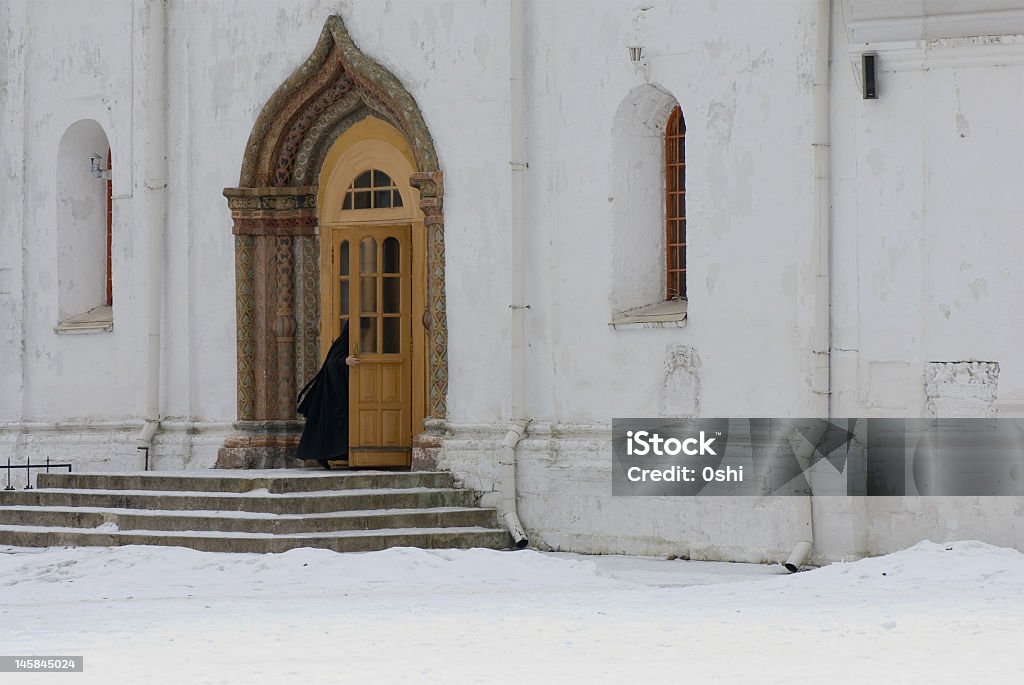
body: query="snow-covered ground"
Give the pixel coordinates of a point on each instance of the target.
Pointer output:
(936, 613)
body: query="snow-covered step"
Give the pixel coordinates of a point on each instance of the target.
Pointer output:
(273, 481)
(255, 501)
(249, 511)
(347, 541)
(246, 522)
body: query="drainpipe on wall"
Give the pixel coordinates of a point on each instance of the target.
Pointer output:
(156, 211)
(507, 464)
(822, 343)
(517, 332)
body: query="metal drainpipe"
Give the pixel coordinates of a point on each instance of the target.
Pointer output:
(517, 351)
(822, 349)
(156, 210)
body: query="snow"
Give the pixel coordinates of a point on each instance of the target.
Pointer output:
(936, 613)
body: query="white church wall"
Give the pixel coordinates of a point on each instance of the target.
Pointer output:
(82, 380)
(922, 270)
(926, 218)
(445, 54)
(744, 88)
(12, 193)
(749, 224)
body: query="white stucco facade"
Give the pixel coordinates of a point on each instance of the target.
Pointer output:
(926, 235)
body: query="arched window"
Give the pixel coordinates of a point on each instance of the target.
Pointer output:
(110, 226)
(84, 229)
(675, 206)
(372, 189)
(648, 270)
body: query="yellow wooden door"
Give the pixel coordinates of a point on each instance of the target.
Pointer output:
(380, 334)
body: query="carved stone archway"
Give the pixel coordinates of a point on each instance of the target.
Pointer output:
(277, 247)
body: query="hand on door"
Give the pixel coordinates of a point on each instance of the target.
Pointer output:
(352, 360)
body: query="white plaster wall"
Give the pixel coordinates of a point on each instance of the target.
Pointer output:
(741, 73)
(87, 60)
(81, 396)
(76, 66)
(927, 221)
(927, 217)
(564, 485)
(12, 194)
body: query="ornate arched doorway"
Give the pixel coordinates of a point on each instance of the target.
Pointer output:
(280, 245)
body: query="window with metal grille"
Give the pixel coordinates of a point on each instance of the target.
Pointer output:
(372, 189)
(675, 206)
(110, 227)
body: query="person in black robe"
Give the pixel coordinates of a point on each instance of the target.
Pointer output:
(324, 403)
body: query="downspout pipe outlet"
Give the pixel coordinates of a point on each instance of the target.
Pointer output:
(145, 439)
(507, 462)
(798, 557)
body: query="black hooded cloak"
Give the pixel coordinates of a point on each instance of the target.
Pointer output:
(324, 403)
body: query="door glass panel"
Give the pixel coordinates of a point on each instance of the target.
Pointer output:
(344, 296)
(392, 258)
(392, 294)
(368, 256)
(392, 335)
(368, 335)
(343, 258)
(368, 294)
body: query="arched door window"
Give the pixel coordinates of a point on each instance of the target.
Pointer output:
(372, 189)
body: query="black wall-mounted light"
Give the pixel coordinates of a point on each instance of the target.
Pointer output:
(869, 76)
(94, 165)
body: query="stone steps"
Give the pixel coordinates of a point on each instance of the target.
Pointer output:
(245, 522)
(357, 541)
(299, 503)
(249, 511)
(273, 481)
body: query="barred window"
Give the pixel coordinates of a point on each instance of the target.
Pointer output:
(675, 206)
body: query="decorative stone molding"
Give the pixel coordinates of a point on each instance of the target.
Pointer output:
(272, 211)
(961, 389)
(431, 187)
(680, 392)
(260, 445)
(274, 219)
(871, 21)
